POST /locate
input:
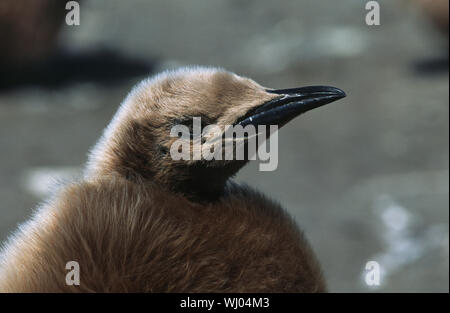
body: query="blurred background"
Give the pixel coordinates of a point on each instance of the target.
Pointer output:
(366, 178)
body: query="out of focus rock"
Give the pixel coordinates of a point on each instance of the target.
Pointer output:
(28, 30)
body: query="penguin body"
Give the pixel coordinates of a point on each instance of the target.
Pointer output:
(137, 238)
(140, 222)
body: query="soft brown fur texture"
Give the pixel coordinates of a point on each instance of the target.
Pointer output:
(141, 222)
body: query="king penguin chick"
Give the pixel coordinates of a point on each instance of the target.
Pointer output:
(139, 221)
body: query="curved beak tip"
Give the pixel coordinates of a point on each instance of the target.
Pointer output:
(340, 93)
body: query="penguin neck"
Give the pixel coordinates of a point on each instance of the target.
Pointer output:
(199, 189)
(202, 184)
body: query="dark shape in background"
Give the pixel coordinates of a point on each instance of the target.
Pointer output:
(437, 12)
(435, 66)
(28, 31)
(63, 68)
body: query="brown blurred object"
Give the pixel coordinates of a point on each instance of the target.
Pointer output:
(437, 11)
(28, 30)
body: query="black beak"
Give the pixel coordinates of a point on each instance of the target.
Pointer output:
(291, 103)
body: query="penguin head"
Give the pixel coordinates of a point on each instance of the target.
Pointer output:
(169, 113)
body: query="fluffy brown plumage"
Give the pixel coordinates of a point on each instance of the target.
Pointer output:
(131, 237)
(141, 222)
